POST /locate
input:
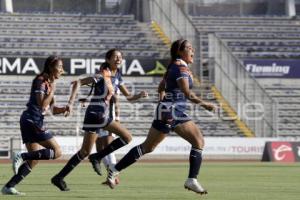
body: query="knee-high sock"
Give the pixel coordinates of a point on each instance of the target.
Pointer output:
(131, 157)
(43, 154)
(114, 145)
(195, 162)
(72, 163)
(110, 159)
(23, 171)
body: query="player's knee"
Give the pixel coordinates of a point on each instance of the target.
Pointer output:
(32, 163)
(127, 138)
(57, 153)
(84, 153)
(148, 149)
(199, 143)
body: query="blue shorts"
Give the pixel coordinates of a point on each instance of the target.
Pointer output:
(96, 118)
(32, 129)
(167, 117)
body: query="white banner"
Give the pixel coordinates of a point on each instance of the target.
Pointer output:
(177, 146)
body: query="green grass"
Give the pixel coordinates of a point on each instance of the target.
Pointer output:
(143, 181)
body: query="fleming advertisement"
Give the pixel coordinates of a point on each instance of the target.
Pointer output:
(77, 66)
(273, 68)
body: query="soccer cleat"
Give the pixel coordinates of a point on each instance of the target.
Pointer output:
(11, 191)
(112, 177)
(17, 162)
(60, 183)
(97, 166)
(117, 181)
(192, 184)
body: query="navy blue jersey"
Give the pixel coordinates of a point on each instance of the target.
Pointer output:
(32, 120)
(39, 85)
(104, 89)
(176, 70)
(117, 81)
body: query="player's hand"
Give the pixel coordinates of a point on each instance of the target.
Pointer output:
(52, 88)
(143, 94)
(68, 110)
(209, 106)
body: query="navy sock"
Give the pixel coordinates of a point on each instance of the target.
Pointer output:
(114, 145)
(73, 162)
(43, 154)
(23, 171)
(131, 157)
(195, 162)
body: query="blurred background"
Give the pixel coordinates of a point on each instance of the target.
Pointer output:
(247, 61)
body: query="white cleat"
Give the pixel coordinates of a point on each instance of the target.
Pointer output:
(11, 191)
(112, 177)
(194, 185)
(17, 162)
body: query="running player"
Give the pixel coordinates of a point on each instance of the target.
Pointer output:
(97, 117)
(114, 59)
(34, 135)
(175, 89)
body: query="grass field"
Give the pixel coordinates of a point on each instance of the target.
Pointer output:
(160, 181)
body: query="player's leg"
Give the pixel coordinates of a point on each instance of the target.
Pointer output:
(24, 170)
(51, 151)
(102, 141)
(110, 159)
(87, 145)
(124, 139)
(191, 133)
(154, 137)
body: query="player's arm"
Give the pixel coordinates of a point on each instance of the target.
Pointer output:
(57, 109)
(161, 90)
(131, 97)
(44, 99)
(117, 107)
(184, 87)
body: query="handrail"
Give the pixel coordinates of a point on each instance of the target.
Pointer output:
(243, 68)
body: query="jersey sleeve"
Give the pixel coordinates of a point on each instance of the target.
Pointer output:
(97, 77)
(181, 72)
(40, 86)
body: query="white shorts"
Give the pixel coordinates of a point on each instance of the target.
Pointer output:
(104, 133)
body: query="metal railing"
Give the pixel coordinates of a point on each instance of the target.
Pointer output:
(176, 24)
(244, 94)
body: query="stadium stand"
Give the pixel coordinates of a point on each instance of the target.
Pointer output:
(90, 35)
(287, 96)
(75, 35)
(136, 117)
(261, 37)
(252, 37)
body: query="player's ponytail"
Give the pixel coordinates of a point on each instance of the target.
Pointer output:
(50, 62)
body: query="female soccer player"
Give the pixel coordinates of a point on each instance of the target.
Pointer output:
(114, 60)
(34, 135)
(97, 117)
(175, 89)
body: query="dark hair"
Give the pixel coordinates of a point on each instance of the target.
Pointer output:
(108, 56)
(110, 52)
(104, 65)
(50, 62)
(177, 46)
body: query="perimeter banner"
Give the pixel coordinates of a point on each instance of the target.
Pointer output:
(78, 66)
(273, 68)
(281, 152)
